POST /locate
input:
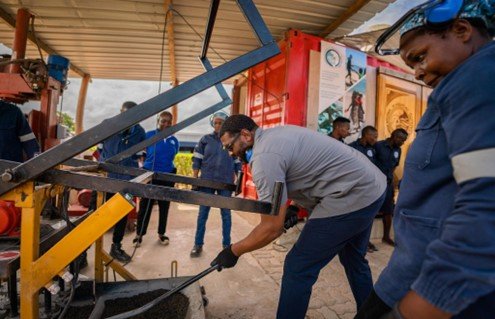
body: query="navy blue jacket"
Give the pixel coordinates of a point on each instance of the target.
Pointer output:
(119, 143)
(213, 161)
(160, 156)
(444, 219)
(387, 158)
(15, 134)
(367, 150)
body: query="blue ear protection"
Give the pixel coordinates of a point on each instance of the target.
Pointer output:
(444, 12)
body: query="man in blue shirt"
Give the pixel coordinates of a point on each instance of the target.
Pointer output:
(388, 154)
(159, 158)
(113, 146)
(17, 140)
(214, 163)
(365, 144)
(443, 265)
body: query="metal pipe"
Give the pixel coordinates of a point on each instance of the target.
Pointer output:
(212, 16)
(20, 39)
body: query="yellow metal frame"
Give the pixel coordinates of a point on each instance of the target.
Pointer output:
(37, 271)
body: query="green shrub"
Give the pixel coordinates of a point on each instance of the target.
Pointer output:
(183, 163)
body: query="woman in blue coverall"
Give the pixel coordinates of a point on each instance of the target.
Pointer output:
(212, 162)
(443, 265)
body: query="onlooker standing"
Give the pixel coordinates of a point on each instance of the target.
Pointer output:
(341, 127)
(16, 137)
(215, 164)
(113, 146)
(365, 145)
(388, 154)
(159, 158)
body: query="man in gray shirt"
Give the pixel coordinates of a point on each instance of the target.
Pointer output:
(341, 188)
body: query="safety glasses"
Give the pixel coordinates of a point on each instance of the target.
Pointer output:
(382, 40)
(229, 147)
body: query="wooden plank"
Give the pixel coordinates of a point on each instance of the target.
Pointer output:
(313, 90)
(355, 7)
(81, 102)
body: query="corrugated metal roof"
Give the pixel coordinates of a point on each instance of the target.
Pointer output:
(121, 39)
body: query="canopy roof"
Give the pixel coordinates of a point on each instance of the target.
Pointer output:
(122, 39)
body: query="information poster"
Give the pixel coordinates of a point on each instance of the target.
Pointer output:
(342, 87)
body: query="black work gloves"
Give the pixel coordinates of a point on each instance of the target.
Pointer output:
(225, 259)
(291, 216)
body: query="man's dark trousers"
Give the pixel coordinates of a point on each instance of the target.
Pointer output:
(320, 240)
(146, 207)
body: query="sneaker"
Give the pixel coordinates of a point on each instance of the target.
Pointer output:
(163, 239)
(225, 246)
(118, 253)
(196, 251)
(372, 248)
(137, 241)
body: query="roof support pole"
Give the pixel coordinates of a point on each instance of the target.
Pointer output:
(20, 39)
(353, 9)
(81, 101)
(171, 51)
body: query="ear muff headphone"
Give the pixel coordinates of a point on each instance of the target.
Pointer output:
(443, 12)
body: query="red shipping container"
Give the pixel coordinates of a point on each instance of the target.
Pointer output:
(277, 92)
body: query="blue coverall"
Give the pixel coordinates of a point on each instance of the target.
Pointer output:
(444, 219)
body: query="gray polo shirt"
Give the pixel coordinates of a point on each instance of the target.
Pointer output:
(321, 174)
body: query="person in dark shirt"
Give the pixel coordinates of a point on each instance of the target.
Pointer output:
(443, 265)
(388, 154)
(341, 127)
(17, 140)
(365, 144)
(113, 146)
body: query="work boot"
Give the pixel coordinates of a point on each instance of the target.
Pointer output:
(118, 253)
(164, 240)
(196, 251)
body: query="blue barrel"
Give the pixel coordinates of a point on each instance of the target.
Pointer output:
(58, 66)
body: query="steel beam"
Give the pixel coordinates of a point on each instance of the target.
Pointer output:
(212, 16)
(132, 171)
(60, 153)
(110, 185)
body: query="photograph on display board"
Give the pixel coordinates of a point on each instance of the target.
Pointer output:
(355, 108)
(328, 115)
(355, 67)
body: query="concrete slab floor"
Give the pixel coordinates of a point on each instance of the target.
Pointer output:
(251, 288)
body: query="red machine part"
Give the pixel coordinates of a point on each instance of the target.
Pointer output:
(10, 218)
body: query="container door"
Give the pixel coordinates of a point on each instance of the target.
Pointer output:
(399, 106)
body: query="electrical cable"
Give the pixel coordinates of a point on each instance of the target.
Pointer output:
(36, 41)
(148, 210)
(76, 263)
